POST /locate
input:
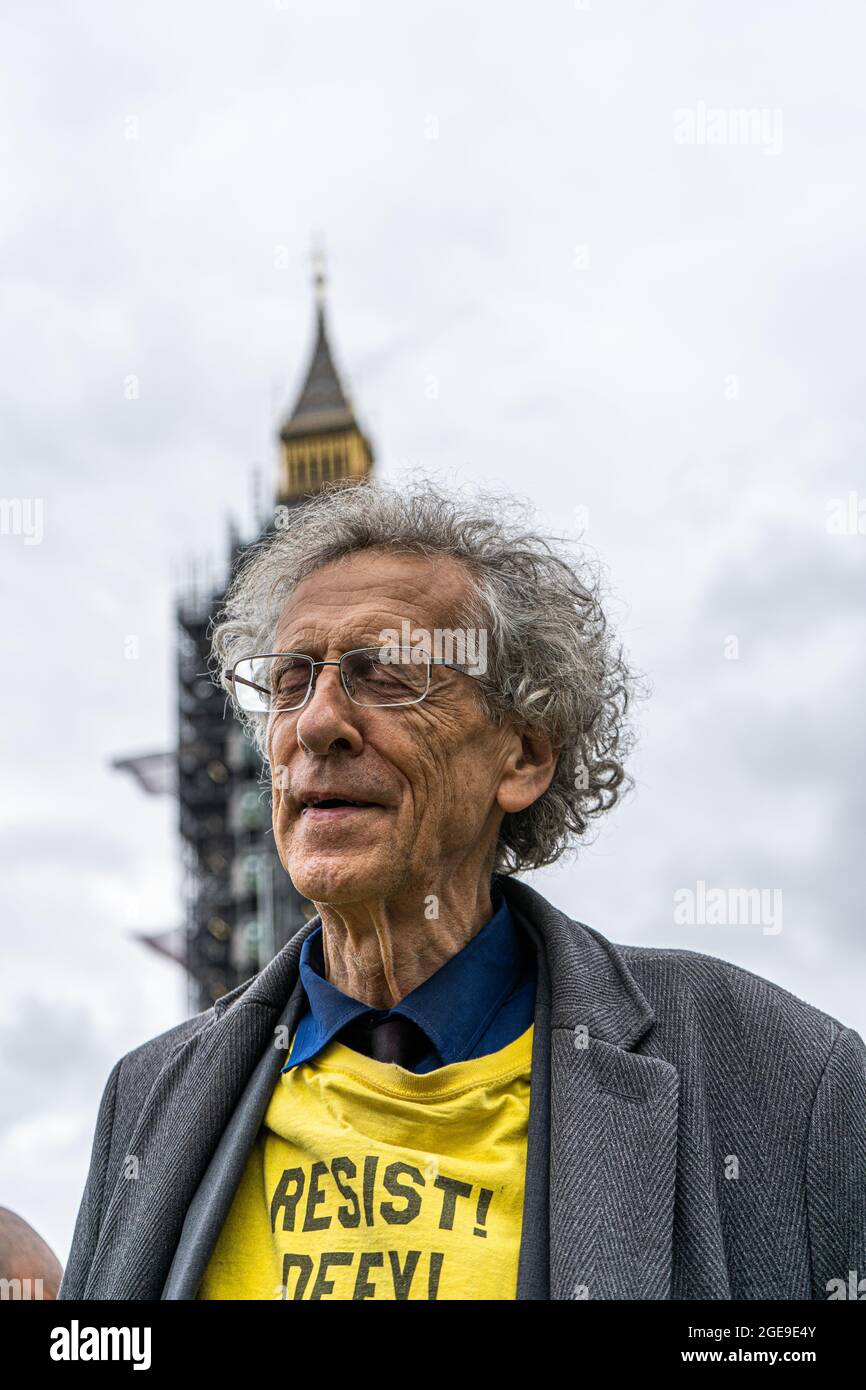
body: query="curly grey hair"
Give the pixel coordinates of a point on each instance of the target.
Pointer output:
(552, 664)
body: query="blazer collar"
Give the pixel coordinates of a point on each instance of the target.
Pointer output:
(275, 982)
(592, 987)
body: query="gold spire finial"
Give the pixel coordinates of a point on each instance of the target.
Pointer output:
(317, 257)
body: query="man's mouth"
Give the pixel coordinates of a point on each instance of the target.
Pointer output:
(323, 807)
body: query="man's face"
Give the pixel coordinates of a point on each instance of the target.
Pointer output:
(429, 772)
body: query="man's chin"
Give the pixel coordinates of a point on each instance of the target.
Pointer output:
(341, 878)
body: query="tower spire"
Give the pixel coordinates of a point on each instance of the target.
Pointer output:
(320, 439)
(320, 280)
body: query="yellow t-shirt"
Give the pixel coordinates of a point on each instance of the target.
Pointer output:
(368, 1181)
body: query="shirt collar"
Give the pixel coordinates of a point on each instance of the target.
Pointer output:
(454, 1006)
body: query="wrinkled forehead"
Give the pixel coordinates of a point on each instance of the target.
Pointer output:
(354, 600)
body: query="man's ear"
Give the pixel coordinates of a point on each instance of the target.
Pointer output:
(528, 771)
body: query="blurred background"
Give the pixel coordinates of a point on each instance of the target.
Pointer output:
(607, 256)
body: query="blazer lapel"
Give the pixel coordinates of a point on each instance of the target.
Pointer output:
(188, 1109)
(612, 1171)
(613, 1119)
(213, 1198)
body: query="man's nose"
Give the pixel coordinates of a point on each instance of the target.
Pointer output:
(328, 718)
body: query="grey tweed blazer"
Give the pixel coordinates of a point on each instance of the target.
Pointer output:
(695, 1132)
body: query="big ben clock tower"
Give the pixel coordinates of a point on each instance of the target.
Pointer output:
(320, 440)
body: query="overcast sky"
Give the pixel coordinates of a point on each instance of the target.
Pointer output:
(547, 273)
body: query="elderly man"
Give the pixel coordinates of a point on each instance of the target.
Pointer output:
(443, 1087)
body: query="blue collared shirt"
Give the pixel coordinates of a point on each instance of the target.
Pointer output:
(478, 1002)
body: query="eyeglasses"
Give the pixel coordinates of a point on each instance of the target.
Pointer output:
(373, 676)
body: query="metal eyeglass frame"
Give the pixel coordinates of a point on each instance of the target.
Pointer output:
(430, 661)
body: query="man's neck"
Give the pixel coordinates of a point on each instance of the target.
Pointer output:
(379, 951)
